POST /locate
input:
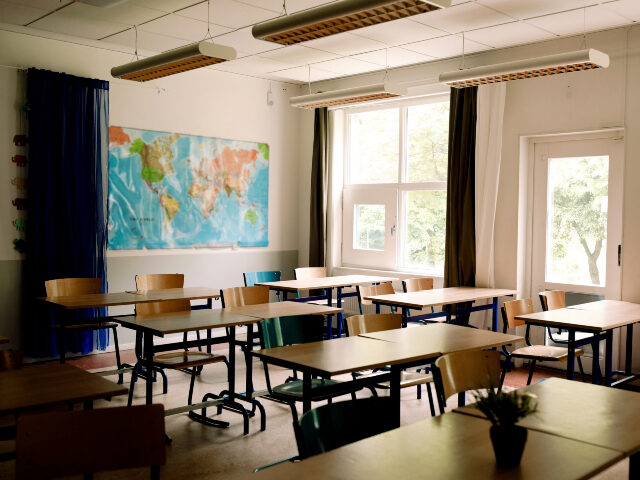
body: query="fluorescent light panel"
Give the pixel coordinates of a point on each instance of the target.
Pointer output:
(179, 60)
(533, 67)
(338, 17)
(366, 93)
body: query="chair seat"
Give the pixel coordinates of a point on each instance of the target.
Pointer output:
(407, 379)
(86, 326)
(187, 359)
(563, 336)
(334, 302)
(544, 352)
(294, 389)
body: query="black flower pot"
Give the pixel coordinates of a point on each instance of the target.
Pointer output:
(508, 444)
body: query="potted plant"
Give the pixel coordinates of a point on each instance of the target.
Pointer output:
(504, 409)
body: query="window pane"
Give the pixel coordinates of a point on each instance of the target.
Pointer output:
(577, 200)
(368, 227)
(428, 141)
(425, 229)
(374, 147)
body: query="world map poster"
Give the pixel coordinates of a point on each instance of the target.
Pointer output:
(168, 190)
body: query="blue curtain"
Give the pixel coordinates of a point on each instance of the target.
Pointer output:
(67, 204)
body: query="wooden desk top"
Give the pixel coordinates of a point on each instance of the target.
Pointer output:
(284, 309)
(4, 339)
(49, 385)
(439, 296)
(326, 282)
(594, 414)
(588, 320)
(447, 447)
(445, 338)
(129, 298)
(177, 322)
(344, 355)
(611, 306)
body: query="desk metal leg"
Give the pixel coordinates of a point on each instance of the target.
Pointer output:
(629, 350)
(329, 317)
(339, 316)
(595, 364)
(249, 380)
(608, 358)
(148, 362)
(494, 318)
(394, 391)
(571, 358)
(405, 315)
(306, 391)
(634, 466)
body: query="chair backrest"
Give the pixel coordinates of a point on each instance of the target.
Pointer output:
(239, 296)
(251, 278)
(59, 443)
(304, 273)
(281, 331)
(516, 307)
(160, 281)
(367, 291)
(331, 426)
(62, 287)
(11, 359)
(552, 300)
(373, 322)
(417, 284)
(461, 371)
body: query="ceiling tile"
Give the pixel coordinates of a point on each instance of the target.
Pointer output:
(228, 13)
(526, 9)
(244, 41)
(574, 22)
(151, 42)
(627, 8)
(399, 32)
(19, 14)
(508, 34)
(93, 29)
(48, 5)
(167, 6)
(445, 47)
(251, 65)
(346, 66)
(125, 13)
(303, 74)
(462, 18)
(182, 27)
(345, 44)
(393, 57)
(273, 5)
(299, 55)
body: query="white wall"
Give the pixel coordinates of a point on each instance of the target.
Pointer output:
(201, 102)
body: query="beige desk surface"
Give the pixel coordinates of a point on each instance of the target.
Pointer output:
(447, 447)
(4, 339)
(603, 416)
(129, 298)
(49, 385)
(590, 320)
(439, 296)
(177, 322)
(445, 338)
(284, 309)
(611, 306)
(345, 355)
(326, 282)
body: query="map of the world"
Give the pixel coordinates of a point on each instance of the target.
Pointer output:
(168, 190)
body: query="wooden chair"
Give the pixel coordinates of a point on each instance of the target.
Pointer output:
(369, 323)
(332, 426)
(240, 296)
(533, 353)
(304, 273)
(59, 444)
(62, 287)
(281, 331)
(417, 285)
(462, 371)
(192, 361)
(11, 359)
(368, 291)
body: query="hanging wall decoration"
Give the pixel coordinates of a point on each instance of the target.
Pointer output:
(168, 190)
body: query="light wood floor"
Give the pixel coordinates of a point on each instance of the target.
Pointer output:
(203, 452)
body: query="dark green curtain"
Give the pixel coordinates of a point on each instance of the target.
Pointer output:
(319, 181)
(460, 243)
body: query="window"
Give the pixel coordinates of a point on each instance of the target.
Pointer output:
(394, 198)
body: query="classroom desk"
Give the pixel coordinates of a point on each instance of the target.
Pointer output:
(606, 417)
(600, 322)
(194, 320)
(284, 287)
(352, 354)
(444, 296)
(50, 385)
(449, 446)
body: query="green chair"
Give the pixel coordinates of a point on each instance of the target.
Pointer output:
(332, 426)
(282, 331)
(251, 278)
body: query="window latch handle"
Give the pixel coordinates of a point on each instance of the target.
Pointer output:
(393, 230)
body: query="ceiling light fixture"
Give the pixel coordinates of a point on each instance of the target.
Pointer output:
(588, 59)
(366, 93)
(338, 17)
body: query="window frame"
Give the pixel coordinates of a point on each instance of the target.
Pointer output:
(365, 259)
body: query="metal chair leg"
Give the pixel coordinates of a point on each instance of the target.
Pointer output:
(532, 366)
(431, 406)
(117, 349)
(584, 379)
(134, 378)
